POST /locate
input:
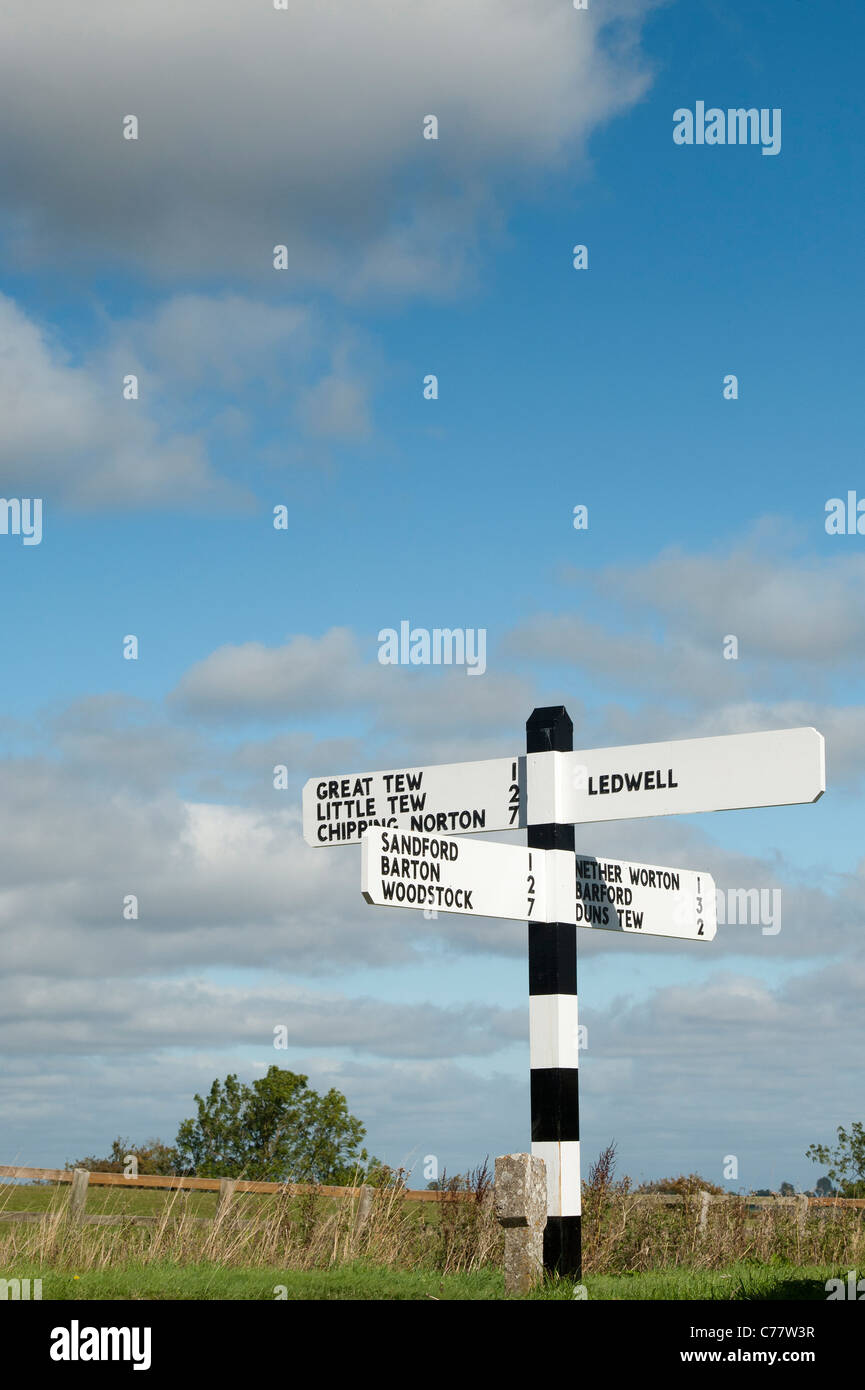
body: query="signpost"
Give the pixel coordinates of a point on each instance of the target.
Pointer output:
(553, 786)
(728, 773)
(451, 799)
(615, 895)
(410, 822)
(450, 874)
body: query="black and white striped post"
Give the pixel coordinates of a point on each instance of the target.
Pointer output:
(554, 1040)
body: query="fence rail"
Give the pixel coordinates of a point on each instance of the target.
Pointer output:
(291, 1189)
(80, 1180)
(670, 1199)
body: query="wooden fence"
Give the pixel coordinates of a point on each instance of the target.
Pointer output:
(81, 1180)
(196, 1184)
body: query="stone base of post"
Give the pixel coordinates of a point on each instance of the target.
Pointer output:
(521, 1210)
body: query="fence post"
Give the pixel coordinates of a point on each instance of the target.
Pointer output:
(705, 1202)
(78, 1193)
(521, 1209)
(802, 1203)
(226, 1192)
(364, 1207)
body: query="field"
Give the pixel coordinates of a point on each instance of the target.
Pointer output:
(171, 1245)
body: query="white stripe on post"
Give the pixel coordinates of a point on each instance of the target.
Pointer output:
(553, 1030)
(563, 1176)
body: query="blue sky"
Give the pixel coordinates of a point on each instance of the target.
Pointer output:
(304, 388)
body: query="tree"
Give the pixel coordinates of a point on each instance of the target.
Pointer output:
(276, 1130)
(847, 1159)
(153, 1157)
(824, 1187)
(787, 1189)
(683, 1185)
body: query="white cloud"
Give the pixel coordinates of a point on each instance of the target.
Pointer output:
(313, 675)
(783, 605)
(227, 338)
(67, 432)
(301, 127)
(677, 664)
(730, 1065)
(42, 1016)
(334, 408)
(70, 435)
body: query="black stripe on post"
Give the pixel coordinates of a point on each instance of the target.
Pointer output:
(553, 971)
(555, 1103)
(552, 956)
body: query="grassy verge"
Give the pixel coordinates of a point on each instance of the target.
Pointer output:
(321, 1248)
(169, 1280)
(747, 1282)
(210, 1281)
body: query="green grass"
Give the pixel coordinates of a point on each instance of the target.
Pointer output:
(109, 1200)
(742, 1282)
(208, 1281)
(112, 1262)
(142, 1201)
